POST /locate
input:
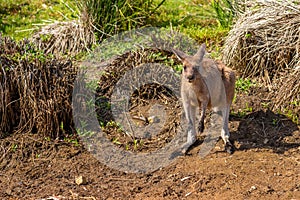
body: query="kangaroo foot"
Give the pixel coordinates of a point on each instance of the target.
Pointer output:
(229, 148)
(187, 145)
(176, 154)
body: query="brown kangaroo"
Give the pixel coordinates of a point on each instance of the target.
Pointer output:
(205, 83)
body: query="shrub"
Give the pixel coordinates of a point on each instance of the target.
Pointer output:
(110, 17)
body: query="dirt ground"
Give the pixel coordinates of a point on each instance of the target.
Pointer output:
(265, 165)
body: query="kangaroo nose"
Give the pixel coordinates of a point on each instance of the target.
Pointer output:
(190, 77)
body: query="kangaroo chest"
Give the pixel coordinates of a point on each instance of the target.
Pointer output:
(195, 93)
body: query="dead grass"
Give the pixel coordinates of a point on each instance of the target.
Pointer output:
(265, 40)
(35, 90)
(264, 44)
(69, 38)
(286, 93)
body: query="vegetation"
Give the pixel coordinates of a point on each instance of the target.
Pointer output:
(225, 12)
(111, 17)
(72, 27)
(36, 90)
(197, 18)
(20, 18)
(243, 85)
(266, 47)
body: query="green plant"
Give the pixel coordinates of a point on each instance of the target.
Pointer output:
(20, 18)
(294, 117)
(111, 17)
(92, 85)
(243, 112)
(72, 140)
(244, 85)
(165, 59)
(178, 68)
(225, 12)
(14, 147)
(61, 126)
(135, 144)
(248, 108)
(265, 104)
(295, 103)
(116, 141)
(275, 122)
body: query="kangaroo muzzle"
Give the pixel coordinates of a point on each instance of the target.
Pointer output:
(190, 78)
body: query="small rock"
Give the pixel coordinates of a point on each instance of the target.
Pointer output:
(153, 119)
(252, 188)
(8, 191)
(80, 180)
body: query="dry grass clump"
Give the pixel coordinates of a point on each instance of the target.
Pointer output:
(264, 43)
(286, 93)
(265, 39)
(141, 100)
(35, 90)
(69, 38)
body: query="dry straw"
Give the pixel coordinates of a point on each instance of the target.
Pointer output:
(70, 37)
(265, 39)
(35, 90)
(286, 93)
(264, 43)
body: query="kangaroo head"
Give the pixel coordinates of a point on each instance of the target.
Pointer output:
(191, 64)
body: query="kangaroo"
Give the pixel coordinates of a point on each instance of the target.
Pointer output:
(205, 83)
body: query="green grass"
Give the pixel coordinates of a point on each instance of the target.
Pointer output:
(243, 111)
(111, 17)
(187, 13)
(19, 18)
(225, 12)
(291, 115)
(244, 85)
(195, 18)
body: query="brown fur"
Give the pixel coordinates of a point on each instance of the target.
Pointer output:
(206, 83)
(228, 77)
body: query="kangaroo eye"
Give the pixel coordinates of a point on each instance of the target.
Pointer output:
(184, 67)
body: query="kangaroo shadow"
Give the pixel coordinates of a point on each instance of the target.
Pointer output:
(265, 129)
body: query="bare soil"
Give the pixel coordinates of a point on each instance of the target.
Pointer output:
(265, 165)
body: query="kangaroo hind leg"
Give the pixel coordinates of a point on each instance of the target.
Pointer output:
(202, 109)
(225, 131)
(190, 112)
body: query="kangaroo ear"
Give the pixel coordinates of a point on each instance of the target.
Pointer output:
(201, 52)
(180, 55)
